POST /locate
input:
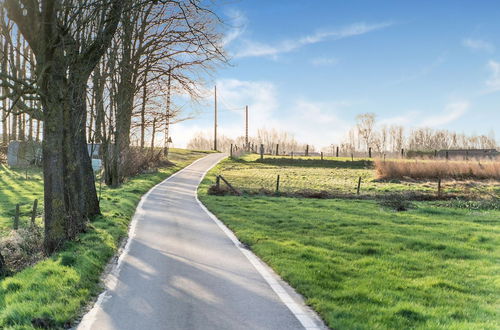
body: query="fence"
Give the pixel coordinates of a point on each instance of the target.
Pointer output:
(342, 178)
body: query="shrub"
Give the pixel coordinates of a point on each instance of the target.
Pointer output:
(218, 191)
(143, 161)
(22, 248)
(396, 202)
(435, 169)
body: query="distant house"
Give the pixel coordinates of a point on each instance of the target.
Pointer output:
(465, 153)
(26, 153)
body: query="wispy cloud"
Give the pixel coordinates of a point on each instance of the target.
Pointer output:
(251, 48)
(324, 61)
(478, 45)
(452, 112)
(237, 26)
(493, 84)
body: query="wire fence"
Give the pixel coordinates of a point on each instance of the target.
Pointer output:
(316, 177)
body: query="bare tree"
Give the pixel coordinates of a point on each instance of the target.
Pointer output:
(365, 125)
(67, 38)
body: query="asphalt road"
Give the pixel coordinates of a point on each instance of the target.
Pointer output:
(180, 270)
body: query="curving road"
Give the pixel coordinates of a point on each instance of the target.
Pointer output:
(182, 269)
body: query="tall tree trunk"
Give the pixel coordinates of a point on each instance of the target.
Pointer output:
(70, 198)
(124, 105)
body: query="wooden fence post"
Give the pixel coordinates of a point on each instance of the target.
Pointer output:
(261, 152)
(322, 155)
(33, 212)
(307, 150)
(352, 157)
(359, 186)
(402, 153)
(277, 149)
(439, 187)
(278, 184)
(337, 154)
(370, 152)
(16, 218)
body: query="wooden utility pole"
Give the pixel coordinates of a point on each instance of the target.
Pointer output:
(167, 115)
(215, 118)
(246, 129)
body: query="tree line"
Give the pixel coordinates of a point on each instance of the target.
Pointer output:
(75, 72)
(382, 139)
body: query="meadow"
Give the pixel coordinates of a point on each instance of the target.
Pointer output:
(53, 292)
(338, 177)
(361, 265)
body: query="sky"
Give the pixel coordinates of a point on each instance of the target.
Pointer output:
(310, 67)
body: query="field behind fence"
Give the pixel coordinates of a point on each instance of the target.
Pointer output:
(341, 177)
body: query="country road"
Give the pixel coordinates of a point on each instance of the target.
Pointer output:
(181, 269)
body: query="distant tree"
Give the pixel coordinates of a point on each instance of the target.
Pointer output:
(365, 124)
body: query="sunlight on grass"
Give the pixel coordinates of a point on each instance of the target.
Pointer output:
(361, 266)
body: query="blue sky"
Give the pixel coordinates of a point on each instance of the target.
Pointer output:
(309, 67)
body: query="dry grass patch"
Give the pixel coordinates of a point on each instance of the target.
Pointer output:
(435, 169)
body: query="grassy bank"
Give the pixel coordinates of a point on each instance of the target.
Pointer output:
(361, 266)
(52, 292)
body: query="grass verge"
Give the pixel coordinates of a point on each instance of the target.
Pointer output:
(362, 266)
(52, 292)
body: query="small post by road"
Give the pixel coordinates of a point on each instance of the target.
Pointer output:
(33, 212)
(352, 157)
(261, 152)
(16, 218)
(277, 149)
(439, 187)
(359, 186)
(278, 184)
(322, 155)
(307, 150)
(337, 154)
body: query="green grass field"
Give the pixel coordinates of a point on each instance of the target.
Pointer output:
(361, 266)
(55, 289)
(336, 175)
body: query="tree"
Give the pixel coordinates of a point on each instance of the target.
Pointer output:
(365, 125)
(67, 38)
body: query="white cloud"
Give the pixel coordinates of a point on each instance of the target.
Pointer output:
(452, 112)
(324, 61)
(316, 123)
(237, 26)
(493, 83)
(478, 45)
(251, 48)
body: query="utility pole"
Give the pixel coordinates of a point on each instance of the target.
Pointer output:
(215, 118)
(246, 128)
(167, 115)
